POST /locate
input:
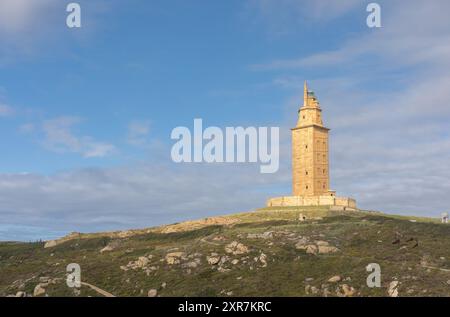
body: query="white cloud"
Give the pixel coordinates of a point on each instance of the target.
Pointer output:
(18, 16)
(280, 10)
(59, 137)
(130, 197)
(27, 128)
(138, 132)
(96, 149)
(29, 28)
(25, 25)
(413, 33)
(5, 110)
(286, 16)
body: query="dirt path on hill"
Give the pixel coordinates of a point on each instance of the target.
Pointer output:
(98, 290)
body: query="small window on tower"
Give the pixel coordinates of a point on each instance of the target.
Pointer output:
(324, 171)
(306, 172)
(306, 146)
(306, 186)
(304, 117)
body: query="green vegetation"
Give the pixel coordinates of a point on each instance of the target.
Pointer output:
(269, 260)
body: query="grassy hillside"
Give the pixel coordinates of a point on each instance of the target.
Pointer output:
(269, 252)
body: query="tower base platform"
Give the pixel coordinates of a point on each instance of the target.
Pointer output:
(335, 203)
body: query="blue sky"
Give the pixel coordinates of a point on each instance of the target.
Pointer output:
(86, 114)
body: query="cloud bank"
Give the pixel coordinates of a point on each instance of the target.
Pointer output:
(129, 197)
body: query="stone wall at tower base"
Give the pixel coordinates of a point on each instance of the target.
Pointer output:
(338, 203)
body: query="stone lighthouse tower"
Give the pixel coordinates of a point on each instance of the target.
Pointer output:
(310, 167)
(310, 150)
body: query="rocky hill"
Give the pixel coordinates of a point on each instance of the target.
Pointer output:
(269, 252)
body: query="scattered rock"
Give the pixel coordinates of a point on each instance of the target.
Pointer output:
(22, 294)
(310, 248)
(191, 264)
(311, 290)
(393, 289)
(213, 260)
(223, 260)
(235, 261)
(236, 248)
(324, 249)
(108, 248)
(111, 246)
(325, 290)
(151, 269)
(228, 293)
(263, 259)
(345, 291)
(152, 293)
(335, 279)
(39, 290)
(174, 257)
(142, 261)
(50, 244)
(163, 285)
